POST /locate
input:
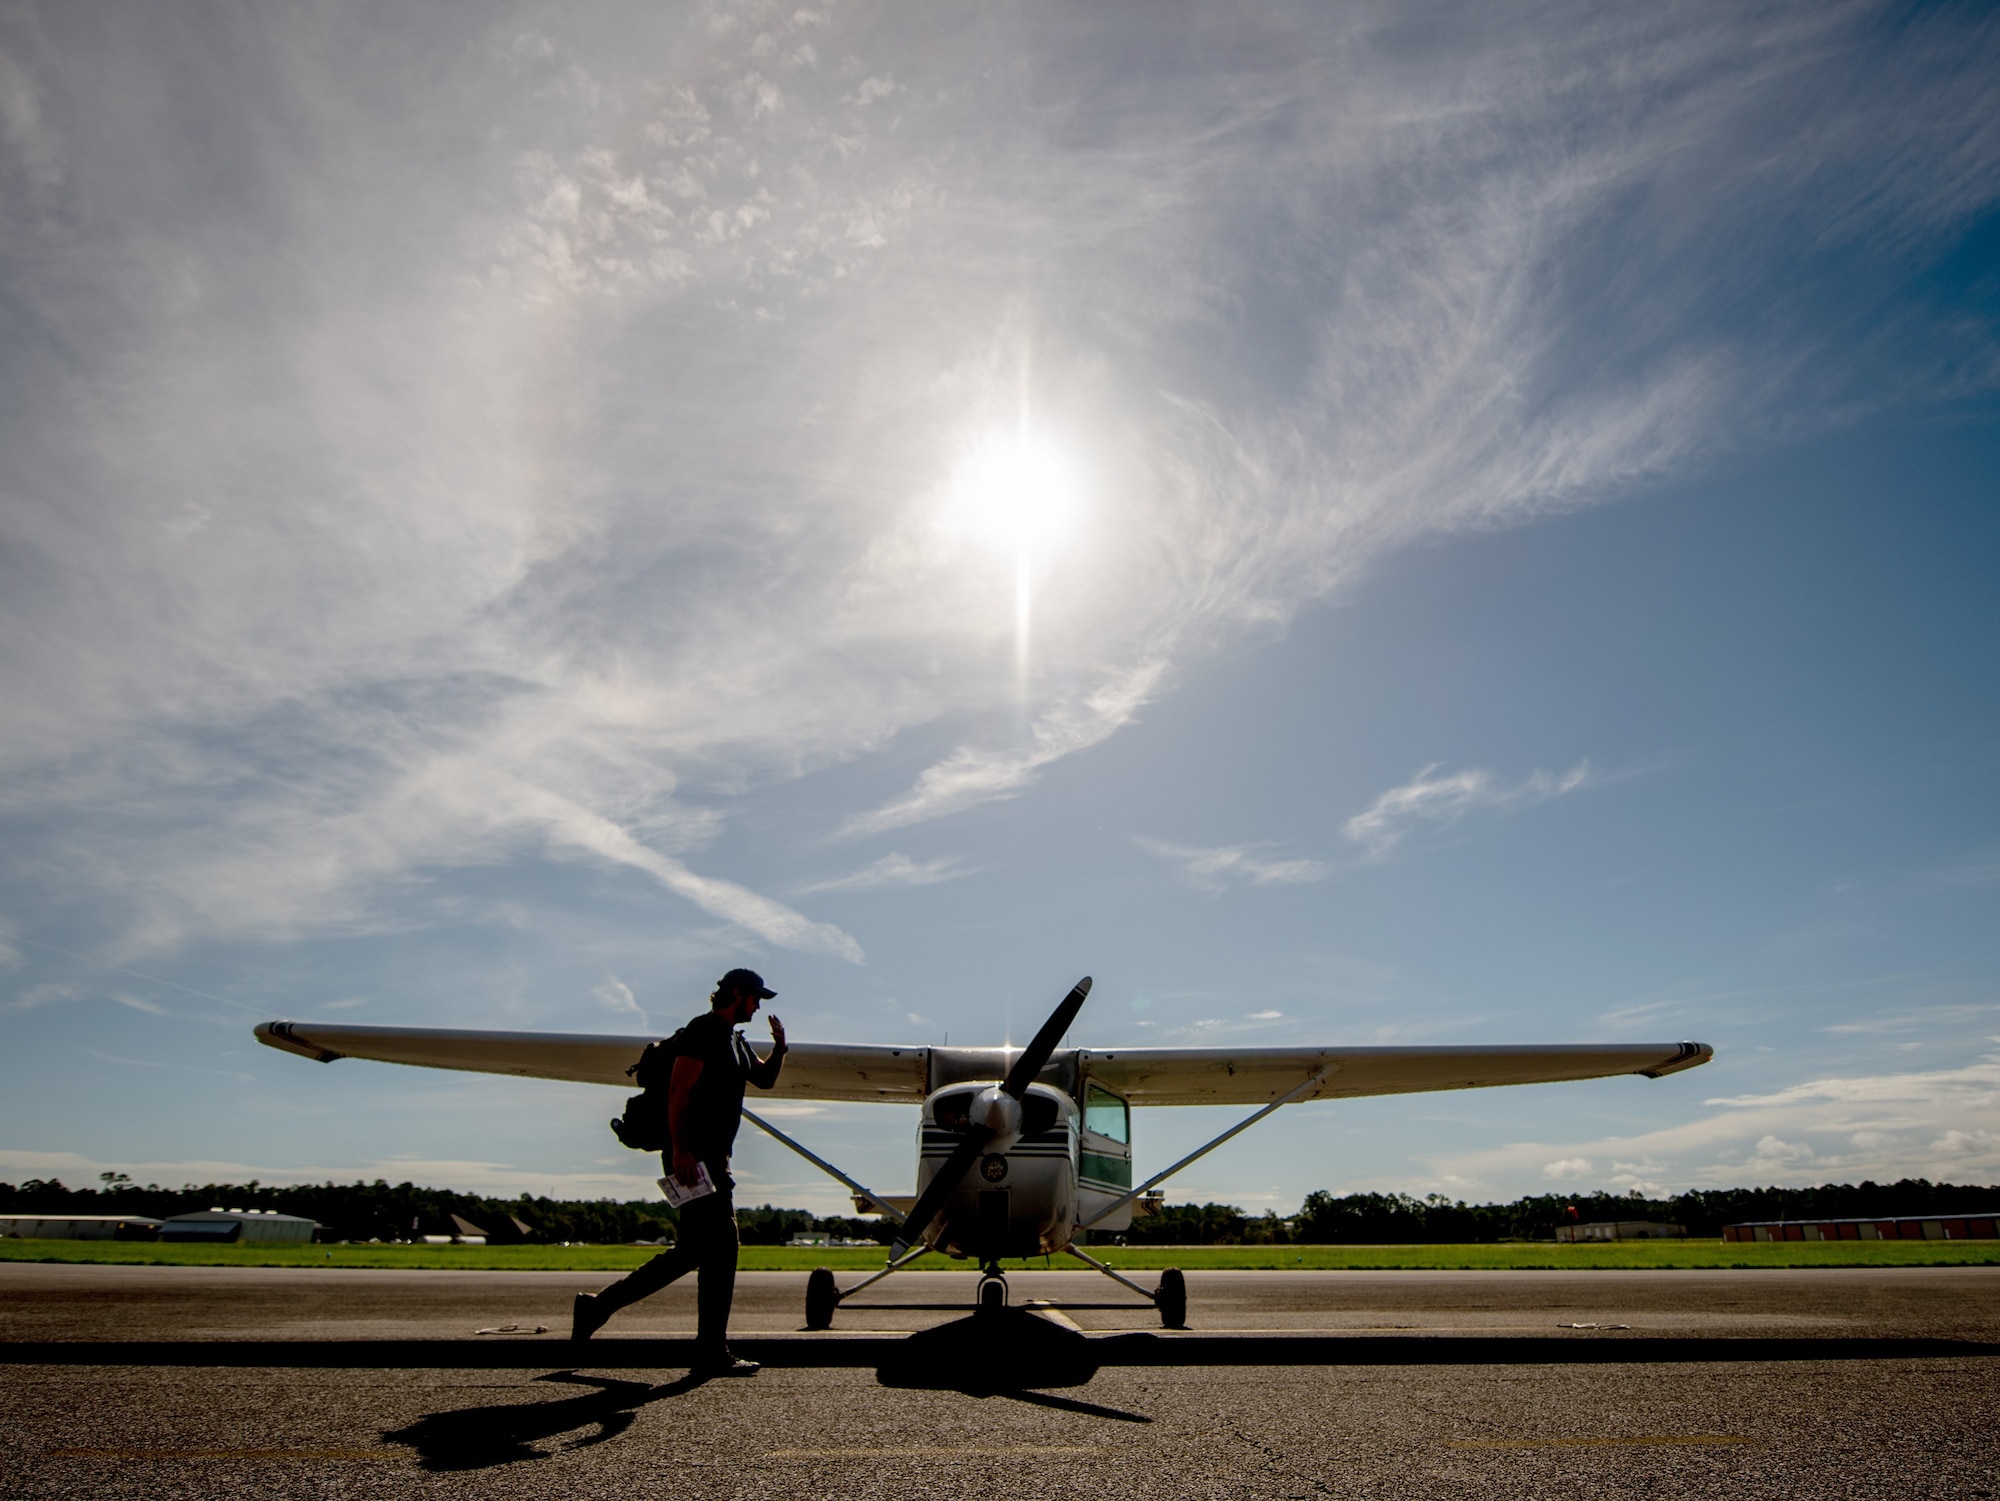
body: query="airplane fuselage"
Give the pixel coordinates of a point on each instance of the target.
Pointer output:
(1054, 1166)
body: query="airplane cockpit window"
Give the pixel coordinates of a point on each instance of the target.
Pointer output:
(1107, 1115)
(954, 1111)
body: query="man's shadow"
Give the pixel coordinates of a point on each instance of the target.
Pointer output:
(478, 1438)
(1012, 1353)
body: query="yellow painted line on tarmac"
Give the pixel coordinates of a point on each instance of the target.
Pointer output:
(253, 1454)
(1632, 1441)
(937, 1451)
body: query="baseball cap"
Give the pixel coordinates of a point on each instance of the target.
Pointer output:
(747, 979)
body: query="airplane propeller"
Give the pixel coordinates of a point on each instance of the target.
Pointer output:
(996, 1113)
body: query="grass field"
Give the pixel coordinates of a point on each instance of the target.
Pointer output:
(1522, 1256)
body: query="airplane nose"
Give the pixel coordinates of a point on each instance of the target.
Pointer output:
(1000, 1113)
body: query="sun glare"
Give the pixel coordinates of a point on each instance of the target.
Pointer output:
(1021, 493)
(1017, 490)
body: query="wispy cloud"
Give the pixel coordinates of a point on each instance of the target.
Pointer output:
(1977, 1083)
(1438, 801)
(1215, 867)
(49, 994)
(895, 869)
(1321, 293)
(615, 996)
(970, 776)
(1932, 1020)
(1938, 1124)
(313, 869)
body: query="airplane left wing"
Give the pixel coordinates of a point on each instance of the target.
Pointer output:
(1255, 1076)
(813, 1071)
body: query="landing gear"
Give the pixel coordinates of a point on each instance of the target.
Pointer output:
(1170, 1297)
(822, 1298)
(992, 1291)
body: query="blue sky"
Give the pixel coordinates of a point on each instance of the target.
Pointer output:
(1405, 525)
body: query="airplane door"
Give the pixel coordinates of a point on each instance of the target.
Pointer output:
(1104, 1157)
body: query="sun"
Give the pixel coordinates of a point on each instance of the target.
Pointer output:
(1017, 489)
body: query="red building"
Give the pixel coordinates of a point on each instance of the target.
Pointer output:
(1917, 1227)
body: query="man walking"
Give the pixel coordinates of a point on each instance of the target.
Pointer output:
(712, 1063)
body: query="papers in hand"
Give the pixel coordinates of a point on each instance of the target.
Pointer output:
(679, 1193)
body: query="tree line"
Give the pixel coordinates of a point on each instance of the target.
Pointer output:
(1404, 1219)
(404, 1211)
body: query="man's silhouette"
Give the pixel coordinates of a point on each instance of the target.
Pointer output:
(712, 1064)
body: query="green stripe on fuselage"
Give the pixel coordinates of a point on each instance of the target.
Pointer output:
(1095, 1169)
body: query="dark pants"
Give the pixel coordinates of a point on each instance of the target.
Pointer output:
(705, 1245)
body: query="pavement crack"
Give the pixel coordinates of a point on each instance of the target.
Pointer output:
(1275, 1459)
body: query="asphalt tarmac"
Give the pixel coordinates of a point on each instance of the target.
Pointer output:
(161, 1382)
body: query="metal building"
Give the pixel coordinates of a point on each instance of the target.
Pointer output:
(1619, 1230)
(78, 1227)
(1911, 1227)
(231, 1226)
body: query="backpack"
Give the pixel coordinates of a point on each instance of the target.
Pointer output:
(644, 1126)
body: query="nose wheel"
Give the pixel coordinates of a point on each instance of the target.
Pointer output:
(992, 1291)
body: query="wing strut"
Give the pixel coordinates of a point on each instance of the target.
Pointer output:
(1199, 1152)
(1110, 1272)
(823, 1165)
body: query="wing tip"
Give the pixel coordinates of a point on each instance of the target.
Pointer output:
(1691, 1055)
(280, 1035)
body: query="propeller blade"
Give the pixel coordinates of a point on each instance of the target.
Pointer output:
(956, 1166)
(978, 1138)
(1036, 1058)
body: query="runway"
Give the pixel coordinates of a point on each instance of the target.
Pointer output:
(186, 1381)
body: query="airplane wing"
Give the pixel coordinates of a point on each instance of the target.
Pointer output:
(881, 1072)
(1255, 1076)
(813, 1071)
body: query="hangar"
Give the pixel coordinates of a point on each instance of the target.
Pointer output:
(1913, 1227)
(229, 1226)
(1619, 1230)
(78, 1227)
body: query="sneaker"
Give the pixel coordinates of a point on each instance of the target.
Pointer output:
(586, 1316)
(708, 1366)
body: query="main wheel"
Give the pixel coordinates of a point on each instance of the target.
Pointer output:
(1171, 1298)
(822, 1298)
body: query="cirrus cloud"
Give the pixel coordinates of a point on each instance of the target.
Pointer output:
(1439, 801)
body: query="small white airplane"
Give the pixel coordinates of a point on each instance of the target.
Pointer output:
(1048, 1128)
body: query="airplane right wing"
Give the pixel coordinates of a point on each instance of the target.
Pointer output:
(813, 1070)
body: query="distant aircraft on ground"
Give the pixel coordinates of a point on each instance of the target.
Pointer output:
(1020, 1151)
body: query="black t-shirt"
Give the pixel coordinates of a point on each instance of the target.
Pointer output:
(715, 1109)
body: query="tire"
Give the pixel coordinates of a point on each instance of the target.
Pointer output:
(822, 1298)
(1171, 1298)
(992, 1295)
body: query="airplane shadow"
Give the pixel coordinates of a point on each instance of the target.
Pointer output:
(1015, 1355)
(480, 1438)
(1011, 1353)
